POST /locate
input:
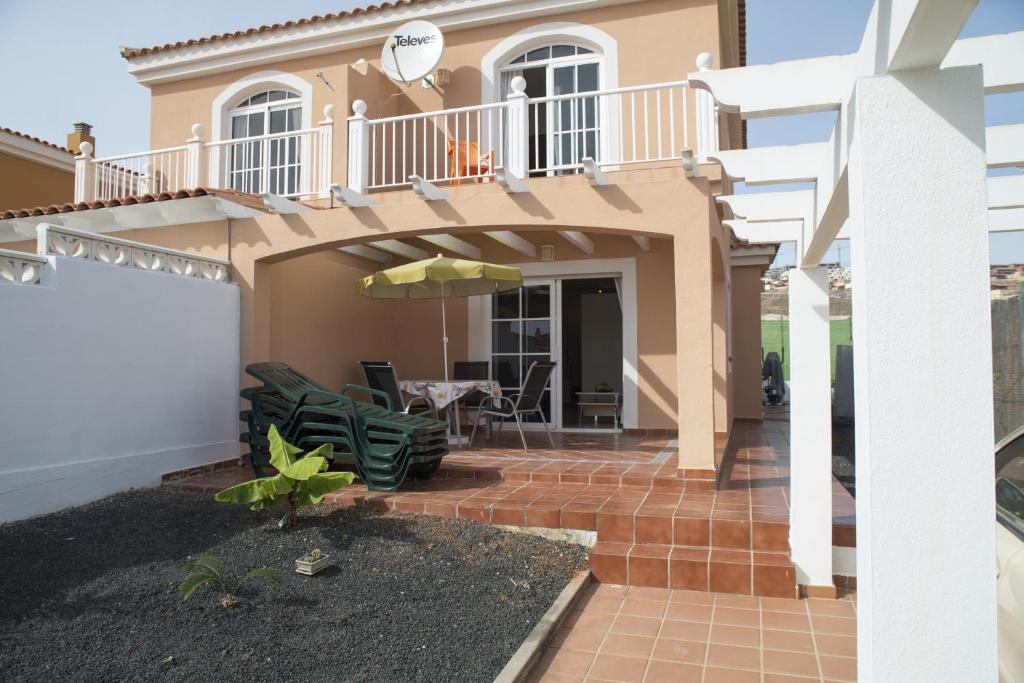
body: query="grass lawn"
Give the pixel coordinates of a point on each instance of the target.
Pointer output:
(775, 337)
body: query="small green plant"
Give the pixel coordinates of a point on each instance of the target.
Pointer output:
(211, 570)
(301, 479)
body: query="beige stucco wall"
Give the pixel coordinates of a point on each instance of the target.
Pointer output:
(746, 345)
(658, 40)
(26, 184)
(675, 277)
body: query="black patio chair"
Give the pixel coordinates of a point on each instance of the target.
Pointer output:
(472, 370)
(527, 402)
(381, 376)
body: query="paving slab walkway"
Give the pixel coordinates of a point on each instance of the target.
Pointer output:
(655, 635)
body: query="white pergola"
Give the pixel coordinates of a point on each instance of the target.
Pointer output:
(903, 176)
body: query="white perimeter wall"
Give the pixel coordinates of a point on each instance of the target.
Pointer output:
(110, 377)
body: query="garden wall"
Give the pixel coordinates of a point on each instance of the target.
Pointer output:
(112, 376)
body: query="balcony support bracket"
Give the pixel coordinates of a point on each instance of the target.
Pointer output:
(346, 196)
(426, 190)
(509, 181)
(595, 176)
(279, 204)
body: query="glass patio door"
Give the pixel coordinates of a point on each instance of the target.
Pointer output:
(523, 331)
(573, 124)
(273, 165)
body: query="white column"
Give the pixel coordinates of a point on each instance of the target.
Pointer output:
(517, 130)
(706, 112)
(810, 513)
(926, 608)
(195, 159)
(85, 174)
(358, 148)
(325, 153)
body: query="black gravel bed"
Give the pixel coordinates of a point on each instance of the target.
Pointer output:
(91, 594)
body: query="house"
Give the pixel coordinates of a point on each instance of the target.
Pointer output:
(36, 172)
(288, 151)
(285, 155)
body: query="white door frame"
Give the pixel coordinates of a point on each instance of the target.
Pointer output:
(479, 329)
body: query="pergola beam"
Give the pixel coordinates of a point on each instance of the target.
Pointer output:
(401, 249)
(772, 165)
(1004, 145)
(578, 240)
(514, 241)
(999, 54)
(769, 206)
(766, 232)
(796, 87)
(363, 251)
(642, 241)
(1006, 192)
(454, 245)
(1005, 220)
(921, 32)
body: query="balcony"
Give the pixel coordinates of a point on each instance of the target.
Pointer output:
(504, 142)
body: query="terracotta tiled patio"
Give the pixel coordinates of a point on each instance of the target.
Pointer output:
(654, 635)
(655, 526)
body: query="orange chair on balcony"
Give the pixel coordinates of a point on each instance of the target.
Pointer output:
(468, 161)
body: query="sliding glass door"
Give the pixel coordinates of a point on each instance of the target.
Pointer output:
(523, 330)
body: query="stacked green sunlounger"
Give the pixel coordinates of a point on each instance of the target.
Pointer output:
(384, 445)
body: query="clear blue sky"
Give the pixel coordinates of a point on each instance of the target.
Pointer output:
(61, 62)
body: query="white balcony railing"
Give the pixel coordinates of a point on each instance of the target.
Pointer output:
(161, 170)
(285, 164)
(532, 136)
(291, 164)
(521, 137)
(425, 145)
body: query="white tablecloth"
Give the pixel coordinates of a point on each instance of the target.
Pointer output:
(442, 393)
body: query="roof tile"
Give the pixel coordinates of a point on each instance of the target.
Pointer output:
(11, 131)
(242, 197)
(130, 53)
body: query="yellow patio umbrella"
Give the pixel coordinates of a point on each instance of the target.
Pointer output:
(440, 278)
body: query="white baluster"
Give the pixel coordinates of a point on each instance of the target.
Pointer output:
(358, 148)
(324, 154)
(517, 130)
(85, 174)
(707, 115)
(195, 161)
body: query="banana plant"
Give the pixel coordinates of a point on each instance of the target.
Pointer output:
(300, 479)
(211, 570)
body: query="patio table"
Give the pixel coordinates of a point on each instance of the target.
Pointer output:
(446, 393)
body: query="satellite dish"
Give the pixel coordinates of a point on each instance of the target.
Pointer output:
(412, 51)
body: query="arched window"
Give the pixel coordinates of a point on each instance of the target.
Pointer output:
(562, 132)
(266, 165)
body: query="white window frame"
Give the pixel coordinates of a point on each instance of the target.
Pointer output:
(605, 52)
(549, 65)
(479, 324)
(266, 108)
(224, 104)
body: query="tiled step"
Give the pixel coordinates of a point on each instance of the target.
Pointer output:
(683, 526)
(659, 477)
(766, 574)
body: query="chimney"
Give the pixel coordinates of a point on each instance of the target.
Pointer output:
(81, 133)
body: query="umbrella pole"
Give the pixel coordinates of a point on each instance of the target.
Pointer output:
(444, 336)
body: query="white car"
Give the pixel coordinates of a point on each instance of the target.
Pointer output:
(1010, 555)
